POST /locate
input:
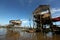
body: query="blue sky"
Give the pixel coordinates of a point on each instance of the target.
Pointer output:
(23, 9)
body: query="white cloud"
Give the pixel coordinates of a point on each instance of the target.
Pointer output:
(54, 10)
(24, 20)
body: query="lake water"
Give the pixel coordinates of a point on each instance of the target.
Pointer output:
(17, 34)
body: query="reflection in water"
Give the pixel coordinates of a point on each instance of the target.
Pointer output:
(17, 34)
(12, 35)
(2, 31)
(49, 34)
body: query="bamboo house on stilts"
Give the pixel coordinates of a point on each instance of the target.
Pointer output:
(42, 18)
